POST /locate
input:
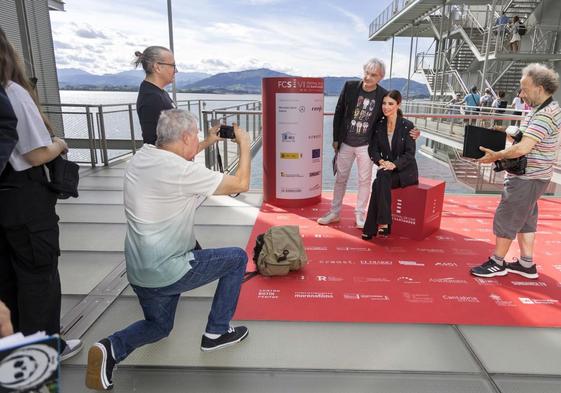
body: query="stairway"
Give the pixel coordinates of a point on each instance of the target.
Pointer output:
(522, 8)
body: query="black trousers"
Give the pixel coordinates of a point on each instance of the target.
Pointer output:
(29, 250)
(379, 208)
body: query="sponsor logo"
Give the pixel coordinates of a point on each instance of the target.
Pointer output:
(313, 295)
(431, 250)
(314, 137)
(407, 280)
(527, 300)
(500, 301)
(317, 248)
(486, 281)
(268, 294)
(316, 108)
(322, 236)
(288, 137)
(404, 219)
(290, 156)
(448, 280)
(411, 263)
(444, 238)
(360, 296)
(529, 284)
(328, 278)
(446, 264)
(316, 153)
(314, 187)
(288, 174)
(463, 251)
(376, 262)
(370, 279)
(460, 299)
(289, 190)
(301, 109)
(395, 249)
(335, 262)
(313, 174)
(417, 297)
(353, 249)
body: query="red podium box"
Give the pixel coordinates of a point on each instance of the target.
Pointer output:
(417, 210)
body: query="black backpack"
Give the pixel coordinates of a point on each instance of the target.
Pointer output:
(521, 28)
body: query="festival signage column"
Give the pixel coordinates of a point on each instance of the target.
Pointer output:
(292, 141)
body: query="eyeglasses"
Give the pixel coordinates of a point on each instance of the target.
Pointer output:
(169, 64)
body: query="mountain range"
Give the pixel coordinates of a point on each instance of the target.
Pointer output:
(242, 82)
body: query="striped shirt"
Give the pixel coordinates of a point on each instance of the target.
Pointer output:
(544, 128)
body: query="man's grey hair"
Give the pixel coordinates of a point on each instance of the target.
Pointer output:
(542, 76)
(172, 124)
(374, 63)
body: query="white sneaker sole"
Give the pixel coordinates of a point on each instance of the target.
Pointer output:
(532, 276)
(327, 222)
(494, 274)
(204, 349)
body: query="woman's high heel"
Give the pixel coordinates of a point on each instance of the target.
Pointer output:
(366, 236)
(383, 231)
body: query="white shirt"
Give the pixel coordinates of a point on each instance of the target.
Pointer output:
(32, 132)
(161, 193)
(518, 104)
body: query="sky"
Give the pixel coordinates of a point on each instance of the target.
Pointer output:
(303, 38)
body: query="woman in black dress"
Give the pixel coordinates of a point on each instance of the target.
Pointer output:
(393, 150)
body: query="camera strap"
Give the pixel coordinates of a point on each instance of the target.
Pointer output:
(221, 167)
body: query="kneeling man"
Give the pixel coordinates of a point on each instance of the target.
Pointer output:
(163, 188)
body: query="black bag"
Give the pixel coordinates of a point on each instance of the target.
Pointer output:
(521, 28)
(64, 177)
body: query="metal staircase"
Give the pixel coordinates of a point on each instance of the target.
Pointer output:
(522, 8)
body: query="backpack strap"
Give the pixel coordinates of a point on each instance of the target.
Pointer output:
(249, 275)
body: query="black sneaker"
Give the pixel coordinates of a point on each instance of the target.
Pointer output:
(489, 269)
(232, 336)
(99, 373)
(517, 268)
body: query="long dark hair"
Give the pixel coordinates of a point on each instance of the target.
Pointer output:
(396, 95)
(12, 69)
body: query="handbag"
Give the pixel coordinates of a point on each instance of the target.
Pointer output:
(64, 176)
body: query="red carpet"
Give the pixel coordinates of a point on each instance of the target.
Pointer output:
(405, 281)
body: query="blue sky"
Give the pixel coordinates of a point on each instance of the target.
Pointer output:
(298, 37)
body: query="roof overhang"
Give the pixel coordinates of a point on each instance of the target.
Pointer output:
(56, 5)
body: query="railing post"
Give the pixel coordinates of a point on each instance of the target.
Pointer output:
(91, 137)
(102, 135)
(208, 152)
(131, 125)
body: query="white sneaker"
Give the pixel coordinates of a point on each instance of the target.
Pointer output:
(72, 348)
(359, 220)
(328, 219)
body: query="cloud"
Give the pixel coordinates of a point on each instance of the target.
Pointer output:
(358, 23)
(216, 63)
(63, 45)
(89, 33)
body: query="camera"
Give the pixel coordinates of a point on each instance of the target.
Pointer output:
(226, 132)
(514, 166)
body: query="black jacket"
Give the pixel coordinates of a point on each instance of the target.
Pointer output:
(345, 108)
(402, 152)
(8, 132)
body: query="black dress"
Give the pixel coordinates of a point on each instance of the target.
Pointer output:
(402, 154)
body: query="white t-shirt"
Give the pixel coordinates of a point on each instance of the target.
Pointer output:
(518, 104)
(162, 192)
(32, 132)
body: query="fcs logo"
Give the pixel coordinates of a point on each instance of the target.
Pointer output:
(287, 84)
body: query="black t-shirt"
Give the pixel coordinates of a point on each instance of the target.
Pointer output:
(150, 102)
(360, 127)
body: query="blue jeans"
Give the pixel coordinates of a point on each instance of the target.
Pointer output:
(159, 304)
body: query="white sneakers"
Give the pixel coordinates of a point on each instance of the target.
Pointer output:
(328, 219)
(359, 220)
(332, 217)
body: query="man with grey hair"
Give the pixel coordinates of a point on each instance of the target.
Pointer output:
(359, 107)
(538, 141)
(163, 188)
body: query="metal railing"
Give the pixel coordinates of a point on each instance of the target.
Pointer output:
(101, 134)
(395, 7)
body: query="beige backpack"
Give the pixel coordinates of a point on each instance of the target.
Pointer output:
(279, 250)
